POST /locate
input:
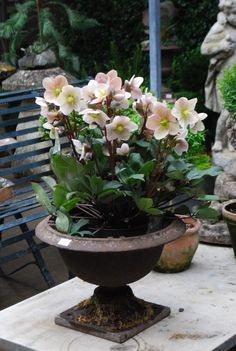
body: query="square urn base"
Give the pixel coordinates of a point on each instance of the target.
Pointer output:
(70, 319)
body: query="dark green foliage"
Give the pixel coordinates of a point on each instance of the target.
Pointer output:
(195, 18)
(227, 87)
(189, 71)
(121, 31)
(50, 25)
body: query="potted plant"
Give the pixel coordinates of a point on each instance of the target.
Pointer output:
(34, 30)
(5, 189)
(229, 215)
(177, 255)
(116, 192)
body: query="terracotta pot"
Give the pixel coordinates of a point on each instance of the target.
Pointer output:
(6, 191)
(110, 262)
(178, 254)
(229, 214)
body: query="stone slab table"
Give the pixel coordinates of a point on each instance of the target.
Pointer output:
(202, 301)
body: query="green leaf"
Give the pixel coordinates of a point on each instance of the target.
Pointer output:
(147, 168)
(96, 184)
(209, 198)
(62, 222)
(69, 172)
(144, 203)
(176, 175)
(154, 211)
(207, 213)
(136, 161)
(59, 195)
(50, 182)
(86, 232)
(135, 177)
(68, 205)
(42, 197)
(199, 173)
(142, 143)
(76, 226)
(113, 184)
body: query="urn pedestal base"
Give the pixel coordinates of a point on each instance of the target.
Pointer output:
(112, 313)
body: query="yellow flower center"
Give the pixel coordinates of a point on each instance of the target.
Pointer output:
(164, 123)
(57, 91)
(185, 113)
(70, 99)
(93, 115)
(120, 128)
(102, 93)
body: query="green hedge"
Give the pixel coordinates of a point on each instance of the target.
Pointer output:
(120, 28)
(195, 18)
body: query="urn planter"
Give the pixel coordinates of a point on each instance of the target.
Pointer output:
(229, 214)
(113, 312)
(177, 255)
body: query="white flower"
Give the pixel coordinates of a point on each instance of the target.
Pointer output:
(94, 118)
(198, 126)
(69, 99)
(123, 150)
(162, 122)
(184, 111)
(120, 128)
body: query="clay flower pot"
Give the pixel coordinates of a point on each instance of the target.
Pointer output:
(113, 312)
(178, 254)
(229, 214)
(6, 189)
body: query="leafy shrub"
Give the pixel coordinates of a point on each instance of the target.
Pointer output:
(120, 31)
(195, 20)
(227, 87)
(36, 23)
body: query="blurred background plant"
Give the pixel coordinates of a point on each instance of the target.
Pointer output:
(37, 25)
(227, 87)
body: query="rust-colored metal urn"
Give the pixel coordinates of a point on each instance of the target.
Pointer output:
(111, 263)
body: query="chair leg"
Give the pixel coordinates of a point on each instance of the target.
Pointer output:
(37, 255)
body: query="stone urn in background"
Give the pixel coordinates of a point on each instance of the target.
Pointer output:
(229, 215)
(113, 312)
(178, 254)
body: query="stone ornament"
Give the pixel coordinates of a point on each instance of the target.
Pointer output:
(220, 46)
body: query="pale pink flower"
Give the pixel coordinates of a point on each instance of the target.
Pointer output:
(199, 125)
(123, 150)
(101, 91)
(54, 131)
(53, 114)
(82, 149)
(184, 111)
(181, 143)
(88, 90)
(120, 128)
(69, 100)
(145, 104)
(43, 104)
(94, 118)
(53, 87)
(162, 122)
(133, 85)
(105, 77)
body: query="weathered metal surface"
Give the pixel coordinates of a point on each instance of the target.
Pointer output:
(117, 315)
(110, 261)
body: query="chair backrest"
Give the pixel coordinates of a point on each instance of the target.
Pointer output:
(23, 152)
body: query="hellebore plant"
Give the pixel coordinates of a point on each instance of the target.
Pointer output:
(125, 158)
